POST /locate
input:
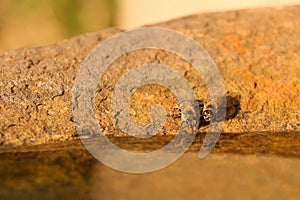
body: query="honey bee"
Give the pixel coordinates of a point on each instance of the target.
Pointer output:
(189, 116)
(206, 113)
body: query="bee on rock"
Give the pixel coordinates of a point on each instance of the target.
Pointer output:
(206, 113)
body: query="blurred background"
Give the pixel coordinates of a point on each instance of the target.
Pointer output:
(25, 23)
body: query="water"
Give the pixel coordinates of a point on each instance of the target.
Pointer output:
(239, 166)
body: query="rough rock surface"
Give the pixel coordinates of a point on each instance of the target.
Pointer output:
(257, 52)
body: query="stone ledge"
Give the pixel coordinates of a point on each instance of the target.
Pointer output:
(257, 52)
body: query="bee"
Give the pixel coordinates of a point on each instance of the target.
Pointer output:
(192, 117)
(189, 115)
(206, 113)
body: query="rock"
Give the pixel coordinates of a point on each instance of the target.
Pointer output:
(257, 52)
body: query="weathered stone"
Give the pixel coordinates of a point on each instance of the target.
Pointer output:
(257, 52)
